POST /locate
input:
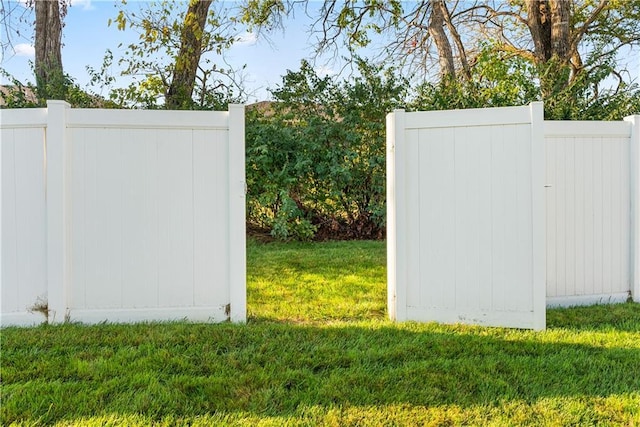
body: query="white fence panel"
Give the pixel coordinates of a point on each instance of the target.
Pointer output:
(588, 212)
(466, 216)
(145, 215)
(24, 258)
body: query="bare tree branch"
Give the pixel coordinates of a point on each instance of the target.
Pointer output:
(579, 32)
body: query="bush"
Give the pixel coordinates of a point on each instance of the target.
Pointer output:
(316, 155)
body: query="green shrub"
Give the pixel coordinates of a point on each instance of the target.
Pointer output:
(316, 155)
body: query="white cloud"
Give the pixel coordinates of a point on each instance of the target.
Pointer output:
(324, 71)
(246, 39)
(24, 49)
(85, 4)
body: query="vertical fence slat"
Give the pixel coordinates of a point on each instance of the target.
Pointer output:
(208, 261)
(175, 162)
(579, 221)
(483, 253)
(58, 211)
(412, 214)
(8, 224)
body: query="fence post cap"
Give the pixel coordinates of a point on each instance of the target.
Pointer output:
(58, 102)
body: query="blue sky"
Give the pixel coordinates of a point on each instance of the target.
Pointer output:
(86, 37)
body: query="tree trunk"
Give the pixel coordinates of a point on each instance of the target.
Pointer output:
(539, 24)
(48, 46)
(560, 34)
(436, 31)
(186, 67)
(466, 69)
(548, 22)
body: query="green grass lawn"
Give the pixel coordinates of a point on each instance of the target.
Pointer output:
(318, 350)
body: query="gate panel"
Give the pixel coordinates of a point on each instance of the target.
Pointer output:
(466, 217)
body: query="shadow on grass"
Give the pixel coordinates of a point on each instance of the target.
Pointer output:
(620, 317)
(67, 372)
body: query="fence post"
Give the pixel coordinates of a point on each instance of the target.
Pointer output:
(237, 215)
(538, 216)
(58, 198)
(396, 204)
(634, 169)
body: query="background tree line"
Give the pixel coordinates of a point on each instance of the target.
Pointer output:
(316, 154)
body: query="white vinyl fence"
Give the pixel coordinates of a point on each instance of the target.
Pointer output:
(588, 211)
(122, 215)
(493, 214)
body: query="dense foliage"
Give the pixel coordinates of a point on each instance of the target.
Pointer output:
(27, 95)
(316, 155)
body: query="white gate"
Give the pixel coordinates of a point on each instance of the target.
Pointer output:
(465, 222)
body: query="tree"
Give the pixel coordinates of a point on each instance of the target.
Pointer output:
(48, 47)
(14, 17)
(561, 38)
(561, 33)
(192, 39)
(439, 36)
(176, 61)
(51, 81)
(496, 79)
(417, 31)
